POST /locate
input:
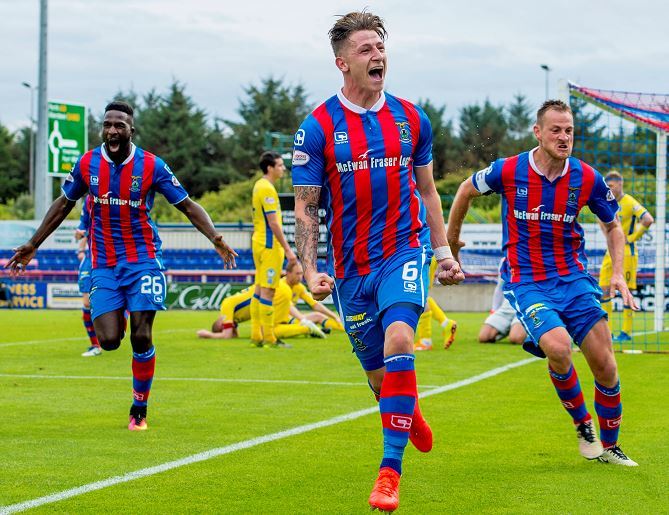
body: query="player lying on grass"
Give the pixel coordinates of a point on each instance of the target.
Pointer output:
(289, 321)
(502, 320)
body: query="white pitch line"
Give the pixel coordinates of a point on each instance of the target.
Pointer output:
(81, 338)
(643, 333)
(202, 379)
(246, 444)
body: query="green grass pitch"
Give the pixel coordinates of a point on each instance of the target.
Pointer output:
(502, 444)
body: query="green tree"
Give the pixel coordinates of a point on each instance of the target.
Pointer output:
(174, 128)
(94, 130)
(13, 178)
(270, 107)
(519, 120)
(482, 132)
(446, 147)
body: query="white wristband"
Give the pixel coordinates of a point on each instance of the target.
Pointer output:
(443, 253)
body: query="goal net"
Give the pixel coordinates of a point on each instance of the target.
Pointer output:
(627, 132)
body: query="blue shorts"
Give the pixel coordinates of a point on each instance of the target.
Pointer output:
(135, 287)
(84, 278)
(569, 303)
(403, 278)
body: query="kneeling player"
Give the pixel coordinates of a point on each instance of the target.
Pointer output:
(501, 323)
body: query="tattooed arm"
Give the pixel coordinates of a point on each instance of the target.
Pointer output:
(306, 239)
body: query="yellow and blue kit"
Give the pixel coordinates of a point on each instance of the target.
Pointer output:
(268, 254)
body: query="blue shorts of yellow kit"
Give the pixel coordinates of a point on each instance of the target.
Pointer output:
(368, 304)
(572, 303)
(84, 278)
(135, 287)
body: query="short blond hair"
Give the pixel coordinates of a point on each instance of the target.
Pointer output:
(613, 176)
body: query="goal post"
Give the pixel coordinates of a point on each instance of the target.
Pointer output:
(627, 132)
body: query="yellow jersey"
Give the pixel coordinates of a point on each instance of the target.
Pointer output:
(282, 302)
(237, 308)
(630, 212)
(265, 201)
(300, 291)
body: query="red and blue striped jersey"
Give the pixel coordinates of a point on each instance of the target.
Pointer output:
(541, 236)
(121, 230)
(363, 161)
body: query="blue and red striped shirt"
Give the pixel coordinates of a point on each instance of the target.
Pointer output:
(541, 236)
(363, 161)
(121, 230)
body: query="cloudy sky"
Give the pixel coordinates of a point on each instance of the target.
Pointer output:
(452, 52)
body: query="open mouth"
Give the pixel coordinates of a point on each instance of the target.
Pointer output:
(114, 145)
(376, 73)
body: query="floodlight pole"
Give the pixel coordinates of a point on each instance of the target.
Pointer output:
(660, 229)
(31, 176)
(42, 180)
(547, 69)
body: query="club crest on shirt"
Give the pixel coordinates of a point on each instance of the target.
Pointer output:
(134, 185)
(572, 199)
(405, 131)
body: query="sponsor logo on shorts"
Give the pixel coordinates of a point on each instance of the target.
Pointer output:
(359, 320)
(401, 422)
(300, 158)
(410, 287)
(356, 318)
